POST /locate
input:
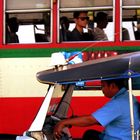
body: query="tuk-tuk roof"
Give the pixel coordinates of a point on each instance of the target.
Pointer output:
(121, 66)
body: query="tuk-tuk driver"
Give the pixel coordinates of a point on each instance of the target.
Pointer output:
(114, 116)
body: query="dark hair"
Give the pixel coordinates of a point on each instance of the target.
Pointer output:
(91, 135)
(13, 24)
(101, 16)
(119, 82)
(65, 21)
(77, 13)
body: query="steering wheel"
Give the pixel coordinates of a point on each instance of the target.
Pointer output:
(48, 128)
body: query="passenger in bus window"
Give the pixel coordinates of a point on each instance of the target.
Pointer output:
(11, 29)
(42, 37)
(64, 26)
(114, 116)
(125, 34)
(137, 31)
(102, 21)
(80, 33)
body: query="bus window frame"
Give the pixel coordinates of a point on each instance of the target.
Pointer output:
(117, 44)
(18, 11)
(126, 7)
(92, 8)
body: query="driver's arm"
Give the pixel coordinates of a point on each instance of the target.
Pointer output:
(78, 121)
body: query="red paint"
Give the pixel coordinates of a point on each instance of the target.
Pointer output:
(88, 45)
(17, 114)
(117, 21)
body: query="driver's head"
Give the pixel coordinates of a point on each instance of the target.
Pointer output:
(111, 87)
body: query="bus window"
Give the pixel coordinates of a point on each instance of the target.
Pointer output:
(32, 18)
(106, 23)
(130, 20)
(67, 9)
(84, 3)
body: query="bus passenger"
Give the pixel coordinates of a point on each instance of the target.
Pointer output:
(102, 21)
(114, 115)
(81, 19)
(125, 34)
(12, 28)
(64, 22)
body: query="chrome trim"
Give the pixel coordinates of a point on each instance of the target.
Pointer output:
(114, 12)
(86, 8)
(51, 22)
(130, 7)
(26, 10)
(58, 21)
(121, 20)
(4, 22)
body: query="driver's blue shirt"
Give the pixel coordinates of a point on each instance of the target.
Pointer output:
(115, 117)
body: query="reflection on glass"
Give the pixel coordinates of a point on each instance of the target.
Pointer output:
(85, 3)
(32, 28)
(131, 3)
(27, 4)
(130, 24)
(107, 28)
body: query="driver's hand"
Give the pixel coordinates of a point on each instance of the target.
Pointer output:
(58, 130)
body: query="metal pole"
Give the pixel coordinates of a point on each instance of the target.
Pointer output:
(131, 107)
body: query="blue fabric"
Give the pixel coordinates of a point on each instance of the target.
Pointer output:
(67, 55)
(115, 117)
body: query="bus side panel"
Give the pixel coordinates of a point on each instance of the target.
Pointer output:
(17, 114)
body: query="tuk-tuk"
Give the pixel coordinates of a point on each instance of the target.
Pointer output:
(62, 81)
